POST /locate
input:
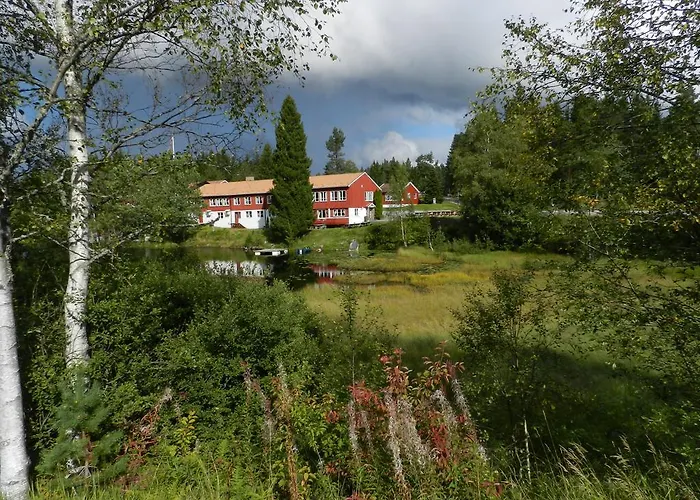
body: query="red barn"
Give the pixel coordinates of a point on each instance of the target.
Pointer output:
(339, 200)
(411, 195)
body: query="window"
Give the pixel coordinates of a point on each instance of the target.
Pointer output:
(237, 200)
(246, 200)
(320, 196)
(338, 212)
(322, 214)
(207, 214)
(218, 202)
(269, 198)
(249, 214)
(357, 212)
(387, 197)
(227, 213)
(369, 195)
(339, 195)
(261, 213)
(258, 200)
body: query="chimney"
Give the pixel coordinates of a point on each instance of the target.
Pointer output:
(250, 178)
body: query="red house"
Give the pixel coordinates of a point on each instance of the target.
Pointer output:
(339, 200)
(236, 204)
(411, 195)
(343, 199)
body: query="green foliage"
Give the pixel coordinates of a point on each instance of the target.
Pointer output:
(427, 177)
(84, 446)
(412, 230)
(151, 197)
(506, 334)
(154, 327)
(378, 201)
(351, 346)
(500, 180)
(266, 163)
(291, 212)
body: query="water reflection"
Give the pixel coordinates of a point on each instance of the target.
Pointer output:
(326, 273)
(249, 268)
(294, 270)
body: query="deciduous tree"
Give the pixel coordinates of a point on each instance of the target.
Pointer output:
(204, 60)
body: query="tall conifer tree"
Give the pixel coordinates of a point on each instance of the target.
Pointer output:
(291, 212)
(266, 163)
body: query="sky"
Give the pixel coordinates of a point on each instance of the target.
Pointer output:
(402, 83)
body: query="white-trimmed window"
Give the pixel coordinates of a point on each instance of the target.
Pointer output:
(339, 212)
(320, 195)
(357, 212)
(246, 200)
(258, 200)
(218, 202)
(369, 195)
(261, 213)
(249, 214)
(322, 214)
(339, 195)
(269, 198)
(237, 200)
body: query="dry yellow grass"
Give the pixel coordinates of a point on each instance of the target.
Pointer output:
(410, 311)
(414, 290)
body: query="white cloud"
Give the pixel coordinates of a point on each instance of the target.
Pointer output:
(392, 145)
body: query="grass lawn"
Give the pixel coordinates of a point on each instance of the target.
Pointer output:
(332, 240)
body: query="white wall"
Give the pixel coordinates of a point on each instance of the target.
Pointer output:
(253, 222)
(219, 218)
(356, 219)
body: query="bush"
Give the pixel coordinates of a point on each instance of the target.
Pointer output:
(152, 327)
(388, 236)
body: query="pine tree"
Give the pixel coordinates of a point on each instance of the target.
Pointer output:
(291, 212)
(334, 145)
(84, 445)
(266, 163)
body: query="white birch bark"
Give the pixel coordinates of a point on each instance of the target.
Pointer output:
(78, 234)
(14, 462)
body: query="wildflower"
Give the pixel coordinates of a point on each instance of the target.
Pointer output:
(445, 408)
(351, 428)
(417, 450)
(393, 439)
(368, 432)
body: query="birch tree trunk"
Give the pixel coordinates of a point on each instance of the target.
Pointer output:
(75, 304)
(14, 462)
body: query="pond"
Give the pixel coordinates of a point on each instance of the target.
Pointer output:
(296, 271)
